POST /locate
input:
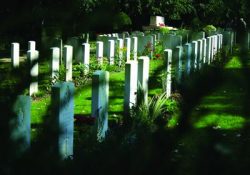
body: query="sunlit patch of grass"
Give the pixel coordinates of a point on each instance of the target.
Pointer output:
(82, 100)
(39, 109)
(221, 121)
(234, 63)
(82, 97)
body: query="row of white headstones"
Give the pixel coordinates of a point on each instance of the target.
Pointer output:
(202, 50)
(136, 74)
(33, 55)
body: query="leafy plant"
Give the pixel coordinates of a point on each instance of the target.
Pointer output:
(209, 28)
(148, 49)
(158, 51)
(164, 30)
(80, 74)
(149, 114)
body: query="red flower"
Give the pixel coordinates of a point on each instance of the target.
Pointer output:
(157, 55)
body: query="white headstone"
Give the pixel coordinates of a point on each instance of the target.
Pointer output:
(135, 46)
(200, 54)
(55, 63)
(212, 48)
(168, 82)
(111, 52)
(128, 48)
(86, 56)
(221, 40)
(216, 43)
(15, 50)
(99, 52)
(100, 96)
(204, 51)
(120, 51)
(194, 55)
(143, 75)
(31, 45)
(32, 56)
(68, 54)
(178, 51)
(208, 50)
(62, 118)
(188, 51)
(131, 78)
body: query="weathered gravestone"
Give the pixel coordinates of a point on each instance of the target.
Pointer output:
(143, 76)
(168, 81)
(15, 50)
(20, 124)
(62, 101)
(100, 101)
(32, 56)
(131, 78)
(68, 55)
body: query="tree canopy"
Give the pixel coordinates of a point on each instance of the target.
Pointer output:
(29, 16)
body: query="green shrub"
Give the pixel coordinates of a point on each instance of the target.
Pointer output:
(164, 30)
(209, 28)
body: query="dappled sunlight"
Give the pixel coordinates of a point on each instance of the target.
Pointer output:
(220, 121)
(234, 63)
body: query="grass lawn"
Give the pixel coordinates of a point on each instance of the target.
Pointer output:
(82, 96)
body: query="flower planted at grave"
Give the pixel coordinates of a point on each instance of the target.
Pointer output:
(157, 56)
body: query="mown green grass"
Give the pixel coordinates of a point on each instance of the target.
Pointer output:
(82, 98)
